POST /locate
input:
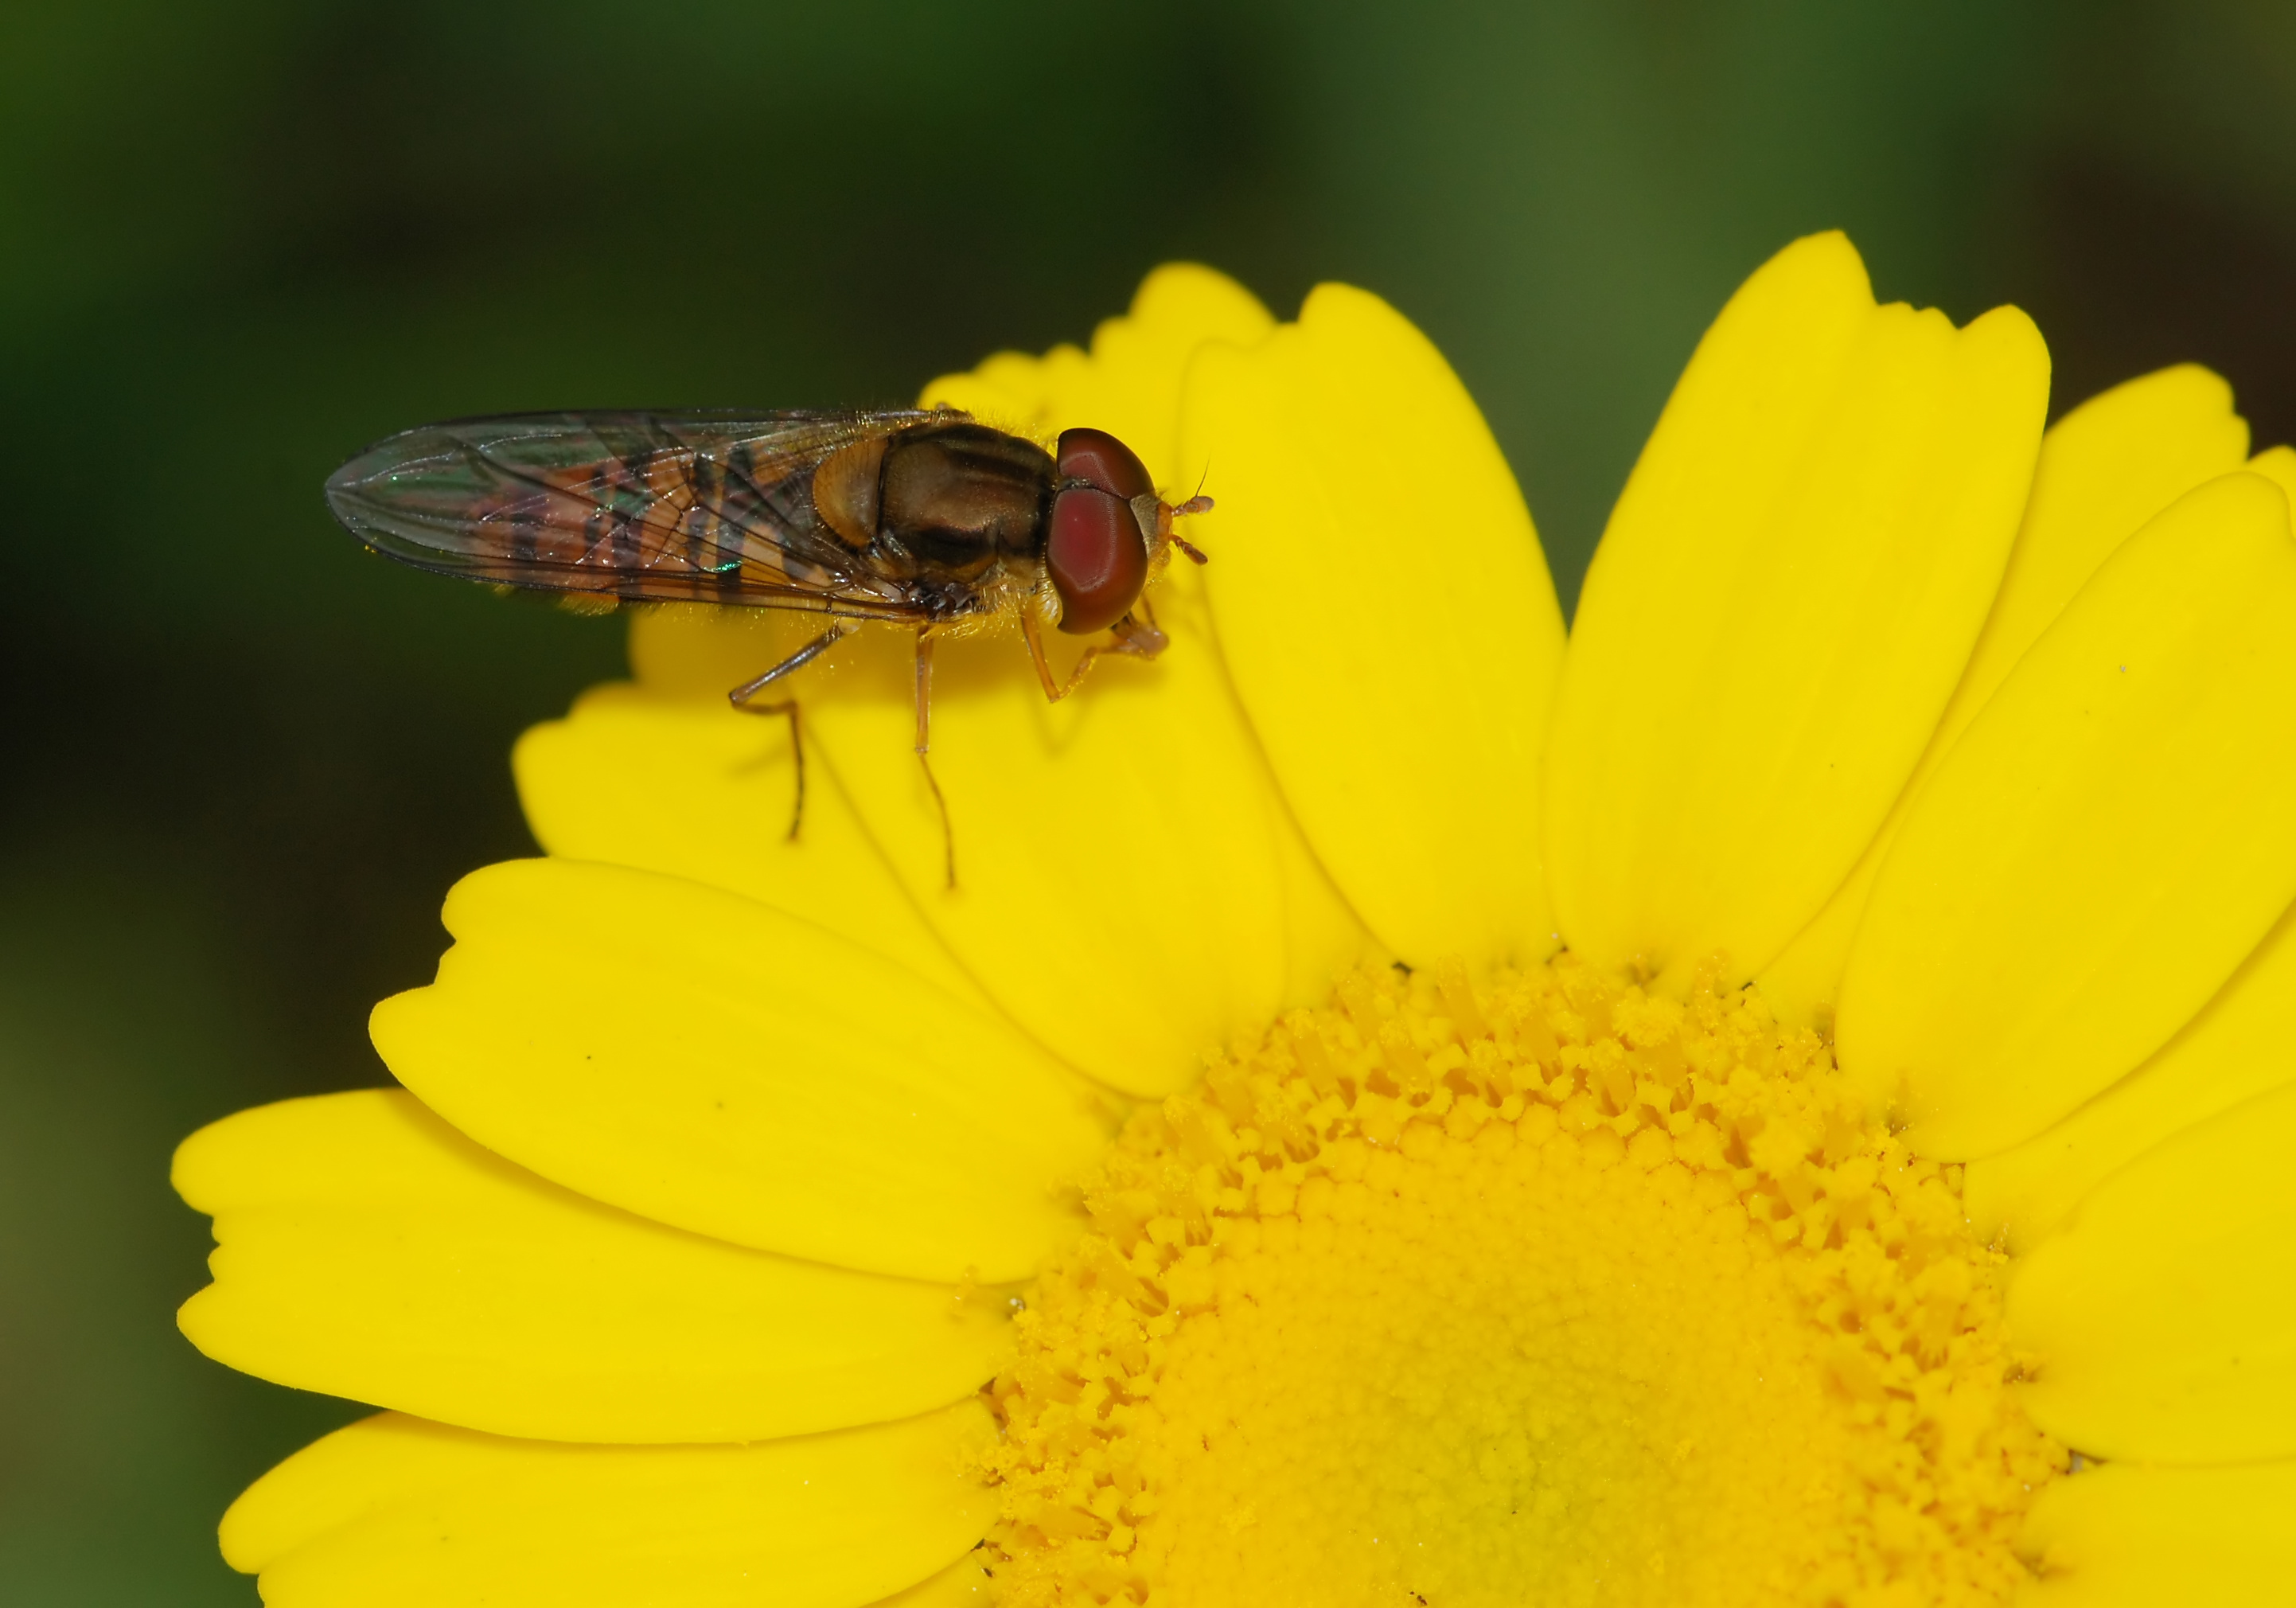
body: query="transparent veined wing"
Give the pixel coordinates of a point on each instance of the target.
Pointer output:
(711, 506)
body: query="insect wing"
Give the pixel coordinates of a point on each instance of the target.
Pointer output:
(697, 506)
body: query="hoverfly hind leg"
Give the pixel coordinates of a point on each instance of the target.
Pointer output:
(839, 630)
(741, 697)
(788, 706)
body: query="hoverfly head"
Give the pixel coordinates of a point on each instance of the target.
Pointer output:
(1108, 529)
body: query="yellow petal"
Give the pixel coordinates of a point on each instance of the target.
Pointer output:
(2105, 844)
(2236, 1049)
(370, 1250)
(2278, 465)
(2164, 1315)
(1781, 603)
(964, 1584)
(1130, 384)
(671, 778)
(2148, 1537)
(2105, 469)
(1348, 462)
(1130, 885)
(715, 1064)
(650, 751)
(394, 1511)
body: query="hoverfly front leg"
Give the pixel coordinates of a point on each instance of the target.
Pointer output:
(924, 748)
(741, 696)
(1129, 636)
(1129, 631)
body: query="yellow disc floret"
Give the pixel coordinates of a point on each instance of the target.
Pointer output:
(1549, 1293)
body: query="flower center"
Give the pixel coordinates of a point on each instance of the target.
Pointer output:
(1546, 1292)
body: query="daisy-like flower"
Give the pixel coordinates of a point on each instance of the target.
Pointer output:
(1785, 1098)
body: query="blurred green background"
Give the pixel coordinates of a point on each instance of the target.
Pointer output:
(243, 762)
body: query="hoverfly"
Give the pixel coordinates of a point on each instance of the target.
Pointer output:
(926, 519)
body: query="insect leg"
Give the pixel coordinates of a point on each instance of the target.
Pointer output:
(839, 630)
(1034, 633)
(924, 747)
(1129, 636)
(741, 696)
(787, 706)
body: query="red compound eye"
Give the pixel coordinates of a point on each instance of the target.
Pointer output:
(1096, 555)
(1099, 457)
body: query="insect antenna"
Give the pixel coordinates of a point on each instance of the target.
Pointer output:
(1198, 504)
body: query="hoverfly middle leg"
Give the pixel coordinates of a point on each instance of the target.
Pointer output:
(740, 698)
(924, 748)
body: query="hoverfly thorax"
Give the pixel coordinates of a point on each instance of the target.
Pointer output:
(952, 503)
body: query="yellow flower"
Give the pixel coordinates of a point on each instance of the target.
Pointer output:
(1908, 1109)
